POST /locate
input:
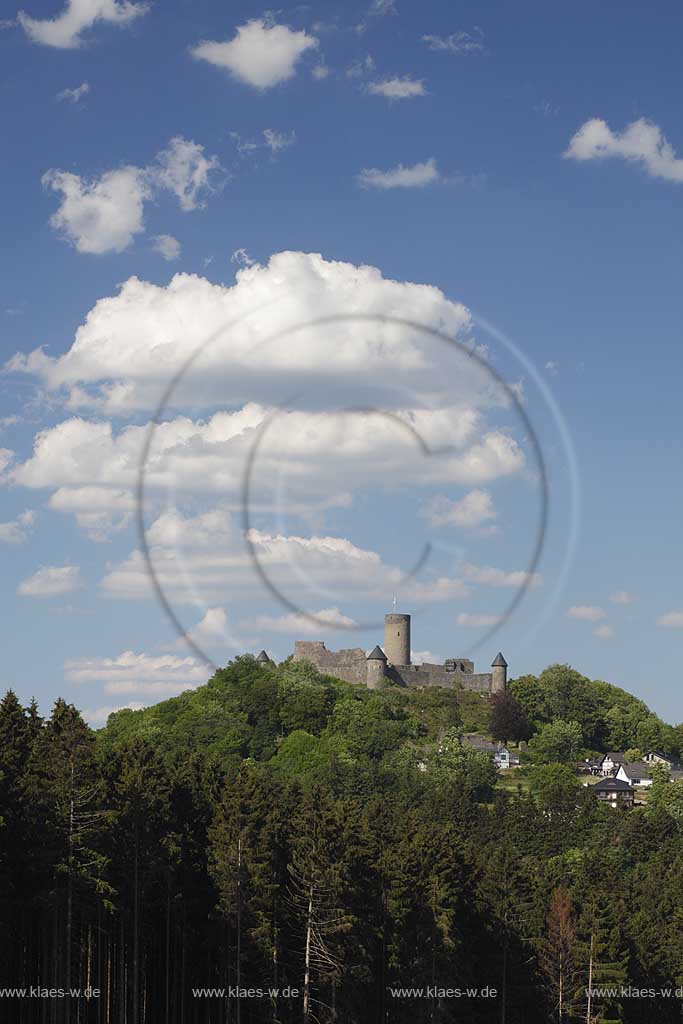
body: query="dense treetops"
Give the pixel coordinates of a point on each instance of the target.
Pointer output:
(298, 719)
(277, 826)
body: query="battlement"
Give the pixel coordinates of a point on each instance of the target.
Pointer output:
(392, 665)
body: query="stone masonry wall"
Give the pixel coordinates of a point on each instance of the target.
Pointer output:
(351, 665)
(439, 675)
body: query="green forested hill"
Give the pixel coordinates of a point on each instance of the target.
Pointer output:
(296, 717)
(311, 851)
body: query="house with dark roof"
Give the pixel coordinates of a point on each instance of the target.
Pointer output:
(502, 755)
(611, 761)
(635, 773)
(614, 792)
(657, 757)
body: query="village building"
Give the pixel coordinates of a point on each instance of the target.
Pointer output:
(635, 773)
(503, 757)
(611, 762)
(614, 792)
(657, 757)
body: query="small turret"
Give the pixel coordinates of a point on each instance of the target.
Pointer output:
(376, 666)
(499, 674)
(263, 659)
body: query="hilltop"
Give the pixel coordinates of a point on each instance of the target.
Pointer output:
(297, 718)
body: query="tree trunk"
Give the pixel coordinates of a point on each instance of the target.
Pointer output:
(168, 950)
(136, 923)
(307, 962)
(589, 1006)
(504, 983)
(122, 972)
(239, 926)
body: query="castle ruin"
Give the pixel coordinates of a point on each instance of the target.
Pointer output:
(392, 664)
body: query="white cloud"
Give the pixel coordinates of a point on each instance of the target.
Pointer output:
(586, 613)
(622, 597)
(212, 626)
(462, 44)
(552, 367)
(275, 141)
(17, 530)
(202, 558)
(6, 458)
(398, 88)
(185, 171)
(97, 717)
(360, 68)
(65, 31)
(377, 9)
(133, 342)
(604, 632)
(73, 95)
(105, 214)
(329, 618)
(309, 455)
(491, 577)
(99, 510)
(261, 54)
(641, 142)
(161, 675)
(380, 8)
(673, 619)
(425, 657)
(476, 619)
(52, 581)
(242, 258)
(320, 71)
(416, 176)
(167, 246)
(102, 215)
(471, 511)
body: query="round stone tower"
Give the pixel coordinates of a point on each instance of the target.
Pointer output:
(376, 665)
(397, 639)
(499, 674)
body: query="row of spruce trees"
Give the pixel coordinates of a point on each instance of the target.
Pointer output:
(328, 849)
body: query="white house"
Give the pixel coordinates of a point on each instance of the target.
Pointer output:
(503, 757)
(657, 757)
(635, 774)
(611, 761)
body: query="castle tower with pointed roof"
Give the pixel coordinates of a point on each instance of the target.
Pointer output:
(499, 674)
(392, 665)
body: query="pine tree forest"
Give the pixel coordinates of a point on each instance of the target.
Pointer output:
(279, 846)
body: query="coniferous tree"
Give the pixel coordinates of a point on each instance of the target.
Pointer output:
(557, 958)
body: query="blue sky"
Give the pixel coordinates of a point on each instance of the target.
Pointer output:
(458, 167)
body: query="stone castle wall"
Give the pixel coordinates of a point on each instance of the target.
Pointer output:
(351, 665)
